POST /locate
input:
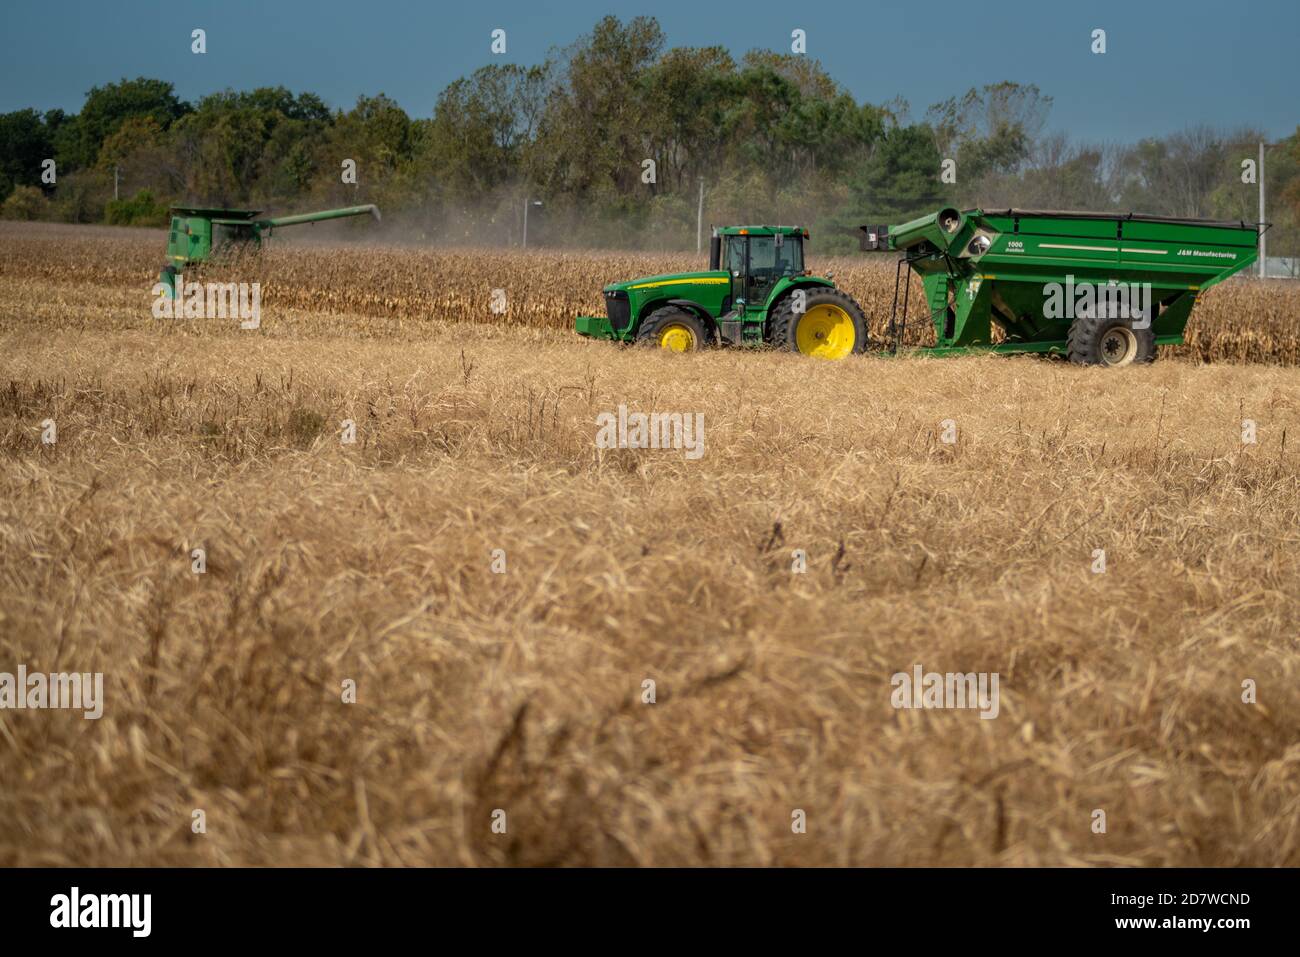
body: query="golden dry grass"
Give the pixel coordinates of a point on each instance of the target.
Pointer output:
(521, 691)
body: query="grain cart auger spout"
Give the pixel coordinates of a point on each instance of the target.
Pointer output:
(198, 233)
(1100, 288)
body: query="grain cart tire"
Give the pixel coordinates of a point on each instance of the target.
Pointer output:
(831, 325)
(674, 329)
(1102, 341)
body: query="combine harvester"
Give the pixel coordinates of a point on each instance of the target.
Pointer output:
(1099, 288)
(198, 233)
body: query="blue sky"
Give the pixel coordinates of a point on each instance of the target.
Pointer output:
(1169, 64)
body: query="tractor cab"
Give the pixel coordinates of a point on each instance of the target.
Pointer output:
(757, 258)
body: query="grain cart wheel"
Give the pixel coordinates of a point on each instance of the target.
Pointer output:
(831, 325)
(1102, 341)
(673, 329)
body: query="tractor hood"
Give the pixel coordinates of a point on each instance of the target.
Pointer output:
(647, 284)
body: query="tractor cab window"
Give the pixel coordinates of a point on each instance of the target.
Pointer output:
(771, 258)
(789, 256)
(734, 258)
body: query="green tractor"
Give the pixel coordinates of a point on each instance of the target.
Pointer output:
(755, 292)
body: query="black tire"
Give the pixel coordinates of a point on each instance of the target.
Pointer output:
(1102, 341)
(667, 317)
(783, 326)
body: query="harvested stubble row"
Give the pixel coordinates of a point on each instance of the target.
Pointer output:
(1242, 320)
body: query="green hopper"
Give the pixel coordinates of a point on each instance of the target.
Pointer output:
(1101, 288)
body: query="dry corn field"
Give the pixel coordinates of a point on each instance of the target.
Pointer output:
(495, 591)
(401, 289)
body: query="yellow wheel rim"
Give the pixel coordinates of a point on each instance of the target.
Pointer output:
(825, 331)
(676, 338)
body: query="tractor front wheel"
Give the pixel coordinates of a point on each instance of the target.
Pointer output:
(1101, 341)
(673, 329)
(829, 326)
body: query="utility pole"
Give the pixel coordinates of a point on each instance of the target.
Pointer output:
(699, 220)
(527, 203)
(1263, 253)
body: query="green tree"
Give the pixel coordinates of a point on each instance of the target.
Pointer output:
(687, 93)
(990, 130)
(107, 108)
(24, 143)
(134, 134)
(592, 141)
(25, 202)
(473, 141)
(140, 210)
(901, 179)
(376, 135)
(250, 147)
(1174, 176)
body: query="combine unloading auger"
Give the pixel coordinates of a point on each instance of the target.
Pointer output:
(198, 233)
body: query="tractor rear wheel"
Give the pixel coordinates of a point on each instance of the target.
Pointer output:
(1102, 341)
(673, 329)
(831, 325)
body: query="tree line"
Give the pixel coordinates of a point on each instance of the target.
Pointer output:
(613, 136)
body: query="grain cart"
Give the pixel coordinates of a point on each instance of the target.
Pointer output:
(1100, 288)
(198, 233)
(755, 291)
